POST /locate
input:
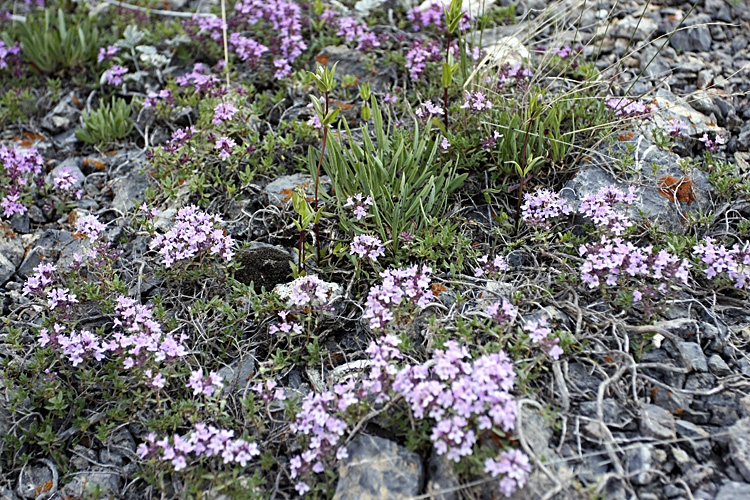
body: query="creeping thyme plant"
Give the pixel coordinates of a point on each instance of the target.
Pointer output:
(402, 288)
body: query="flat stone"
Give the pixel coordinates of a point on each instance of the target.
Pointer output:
(118, 449)
(441, 476)
(695, 357)
(733, 490)
(672, 106)
(6, 269)
(130, 191)
(739, 446)
(378, 469)
(280, 191)
(641, 463)
(657, 422)
(694, 38)
(696, 438)
(238, 375)
(638, 29)
(48, 247)
(106, 481)
(11, 244)
(718, 366)
(661, 206)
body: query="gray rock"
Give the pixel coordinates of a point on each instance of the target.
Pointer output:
(657, 422)
(21, 223)
(695, 38)
(695, 357)
(118, 449)
(130, 191)
(613, 412)
(6, 494)
(733, 490)
(378, 469)
(62, 116)
(661, 206)
(48, 248)
(745, 406)
(653, 64)
(739, 446)
(238, 375)
(441, 476)
(280, 191)
(34, 477)
(696, 438)
(672, 106)
(106, 481)
(640, 28)
(6, 269)
(724, 408)
(718, 366)
(11, 246)
(641, 462)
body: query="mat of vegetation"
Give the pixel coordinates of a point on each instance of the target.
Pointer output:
(374, 249)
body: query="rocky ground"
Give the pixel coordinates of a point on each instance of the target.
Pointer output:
(633, 409)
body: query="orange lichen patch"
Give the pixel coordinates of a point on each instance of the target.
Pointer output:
(26, 144)
(626, 136)
(322, 59)
(110, 153)
(98, 165)
(77, 102)
(32, 136)
(343, 106)
(588, 159)
(677, 190)
(286, 194)
(437, 289)
(43, 488)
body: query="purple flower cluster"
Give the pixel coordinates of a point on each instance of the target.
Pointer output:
(90, 227)
(541, 207)
(206, 441)
(153, 98)
(491, 142)
(434, 15)
(317, 419)
(714, 145)
(309, 292)
(64, 181)
(248, 49)
(676, 127)
(201, 80)
(207, 385)
(285, 327)
(107, 53)
(512, 75)
(360, 204)
(409, 285)
(113, 76)
(354, 31)
(628, 108)
(514, 466)
(502, 313)
(540, 332)
(419, 54)
(20, 173)
(139, 337)
(226, 146)
(602, 208)
(10, 55)
(367, 245)
(719, 260)
(610, 259)
(74, 345)
(223, 112)
(463, 397)
(428, 109)
(40, 284)
(476, 102)
(194, 233)
(283, 19)
(492, 267)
